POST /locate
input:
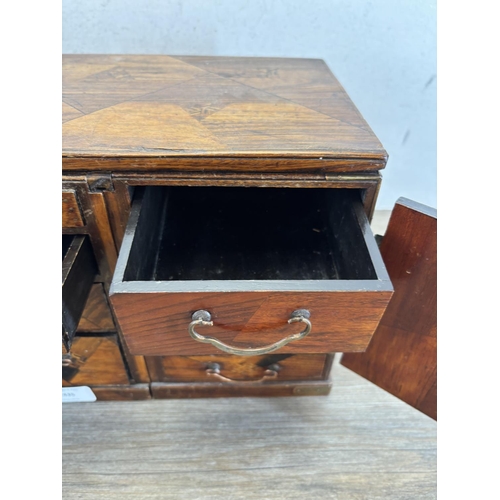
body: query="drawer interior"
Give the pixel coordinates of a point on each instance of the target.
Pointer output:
(228, 233)
(78, 271)
(67, 239)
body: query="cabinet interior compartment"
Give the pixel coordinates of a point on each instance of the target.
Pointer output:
(238, 233)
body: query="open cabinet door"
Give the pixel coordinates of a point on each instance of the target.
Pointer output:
(401, 357)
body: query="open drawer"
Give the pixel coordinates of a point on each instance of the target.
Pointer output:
(78, 272)
(248, 271)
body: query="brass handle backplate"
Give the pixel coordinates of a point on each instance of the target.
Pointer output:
(204, 318)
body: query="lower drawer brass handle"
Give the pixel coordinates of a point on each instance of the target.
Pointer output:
(213, 370)
(204, 318)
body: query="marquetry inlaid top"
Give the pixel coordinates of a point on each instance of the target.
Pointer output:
(130, 112)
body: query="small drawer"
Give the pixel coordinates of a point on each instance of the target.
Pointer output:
(78, 271)
(294, 270)
(94, 360)
(71, 213)
(238, 369)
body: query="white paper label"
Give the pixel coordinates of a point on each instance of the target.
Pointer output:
(81, 394)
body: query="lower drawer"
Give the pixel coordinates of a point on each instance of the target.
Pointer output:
(94, 360)
(227, 368)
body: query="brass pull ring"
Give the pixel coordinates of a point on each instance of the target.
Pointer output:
(213, 370)
(204, 318)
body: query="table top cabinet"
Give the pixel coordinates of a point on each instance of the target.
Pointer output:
(227, 201)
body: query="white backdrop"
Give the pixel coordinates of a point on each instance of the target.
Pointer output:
(383, 52)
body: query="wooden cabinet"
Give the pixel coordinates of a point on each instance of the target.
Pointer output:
(228, 202)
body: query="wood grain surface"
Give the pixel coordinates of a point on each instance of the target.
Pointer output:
(96, 316)
(118, 205)
(194, 368)
(154, 314)
(402, 356)
(78, 272)
(136, 392)
(94, 360)
(99, 219)
(136, 364)
(71, 214)
(132, 112)
(156, 324)
(201, 390)
(359, 442)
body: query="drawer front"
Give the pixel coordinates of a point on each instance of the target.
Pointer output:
(78, 271)
(96, 316)
(157, 323)
(94, 360)
(176, 260)
(71, 213)
(235, 369)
